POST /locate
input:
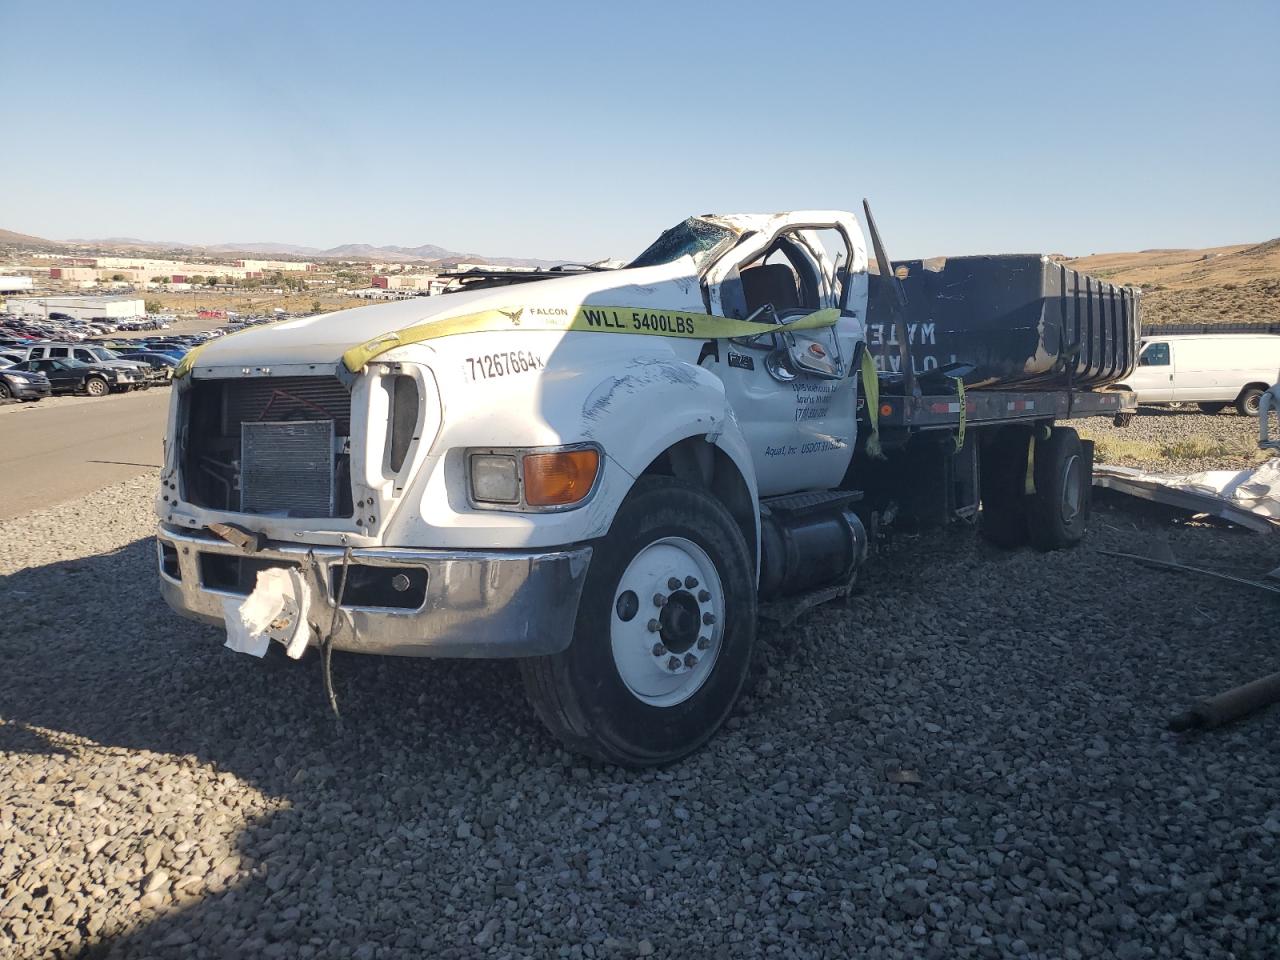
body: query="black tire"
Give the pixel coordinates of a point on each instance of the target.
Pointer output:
(5, 392)
(580, 694)
(1003, 479)
(1247, 402)
(1212, 408)
(96, 387)
(1058, 512)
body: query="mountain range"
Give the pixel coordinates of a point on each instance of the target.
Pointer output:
(347, 251)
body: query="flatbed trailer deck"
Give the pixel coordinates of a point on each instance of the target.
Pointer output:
(984, 407)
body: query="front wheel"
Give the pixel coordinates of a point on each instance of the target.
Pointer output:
(664, 635)
(5, 392)
(96, 387)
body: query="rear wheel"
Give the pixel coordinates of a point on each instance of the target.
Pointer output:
(664, 635)
(1058, 512)
(1211, 408)
(96, 387)
(1248, 402)
(1003, 477)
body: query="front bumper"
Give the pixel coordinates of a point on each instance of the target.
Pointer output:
(477, 604)
(28, 390)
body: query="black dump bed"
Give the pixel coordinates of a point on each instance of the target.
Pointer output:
(1022, 321)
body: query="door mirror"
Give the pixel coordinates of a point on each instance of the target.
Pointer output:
(813, 354)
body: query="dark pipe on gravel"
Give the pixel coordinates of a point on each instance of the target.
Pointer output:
(1231, 705)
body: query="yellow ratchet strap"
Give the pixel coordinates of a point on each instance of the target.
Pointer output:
(647, 321)
(871, 391)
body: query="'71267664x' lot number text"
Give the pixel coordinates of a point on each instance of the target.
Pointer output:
(490, 365)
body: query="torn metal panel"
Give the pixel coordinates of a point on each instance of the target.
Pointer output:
(1248, 498)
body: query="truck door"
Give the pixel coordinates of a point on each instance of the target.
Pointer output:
(1153, 380)
(794, 394)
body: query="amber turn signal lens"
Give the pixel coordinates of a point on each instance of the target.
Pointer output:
(557, 479)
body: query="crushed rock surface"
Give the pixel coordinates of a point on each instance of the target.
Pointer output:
(164, 797)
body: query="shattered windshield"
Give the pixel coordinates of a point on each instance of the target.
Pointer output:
(695, 238)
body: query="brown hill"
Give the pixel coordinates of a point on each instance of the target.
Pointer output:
(10, 239)
(1235, 284)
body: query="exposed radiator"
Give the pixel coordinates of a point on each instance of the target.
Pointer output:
(287, 468)
(287, 398)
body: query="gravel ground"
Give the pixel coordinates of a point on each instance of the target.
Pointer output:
(164, 797)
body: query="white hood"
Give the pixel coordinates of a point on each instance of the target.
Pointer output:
(323, 339)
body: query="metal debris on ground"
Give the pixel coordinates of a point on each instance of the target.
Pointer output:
(1248, 498)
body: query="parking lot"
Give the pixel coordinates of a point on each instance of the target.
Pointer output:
(970, 760)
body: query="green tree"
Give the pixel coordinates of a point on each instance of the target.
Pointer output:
(197, 278)
(154, 306)
(159, 279)
(315, 306)
(117, 276)
(211, 281)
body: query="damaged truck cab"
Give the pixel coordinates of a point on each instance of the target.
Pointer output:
(601, 473)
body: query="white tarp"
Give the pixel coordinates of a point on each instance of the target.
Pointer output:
(275, 611)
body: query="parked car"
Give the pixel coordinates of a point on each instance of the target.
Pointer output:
(90, 353)
(18, 384)
(71, 376)
(1213, 370)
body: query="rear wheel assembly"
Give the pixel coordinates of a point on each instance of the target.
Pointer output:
(1249, 401)
(1058, 511)
(1003, 478)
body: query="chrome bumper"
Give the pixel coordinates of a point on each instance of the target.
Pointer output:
(477, 604)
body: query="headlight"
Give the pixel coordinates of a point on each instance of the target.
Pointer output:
(495, 478)
(536, 479)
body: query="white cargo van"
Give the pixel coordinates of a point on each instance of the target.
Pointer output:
(1213, 371)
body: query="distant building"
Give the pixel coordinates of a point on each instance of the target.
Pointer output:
(15, 284)
(73, 274)
(79, 308)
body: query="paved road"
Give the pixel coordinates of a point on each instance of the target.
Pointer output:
(61, 449)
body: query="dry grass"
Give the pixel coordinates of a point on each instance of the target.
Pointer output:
(1187, 452)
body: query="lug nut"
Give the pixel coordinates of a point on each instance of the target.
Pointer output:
(659, 649)
(654, 626)
(673, 583)
(704, 596)
(659, 600)
(690, 660)
(708, 618)
(704, 642)
(673, 664)
(690, 582)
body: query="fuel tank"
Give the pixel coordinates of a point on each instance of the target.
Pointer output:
(1017, 320)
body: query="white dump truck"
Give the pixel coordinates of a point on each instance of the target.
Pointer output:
(610, 474)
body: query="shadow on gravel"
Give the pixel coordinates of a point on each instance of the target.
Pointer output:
(90, 650)
(1054, 814)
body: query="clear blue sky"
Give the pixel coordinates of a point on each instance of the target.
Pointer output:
(580, 130)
